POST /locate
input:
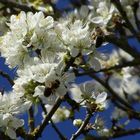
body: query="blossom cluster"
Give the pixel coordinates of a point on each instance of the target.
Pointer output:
(40, 48)
(47, 54)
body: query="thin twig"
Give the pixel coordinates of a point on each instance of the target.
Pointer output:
(105, 85)
(5, 75)
(31, 119)
(23, 7)
(123, 44)
(116, 134)
(135, 62)
(53, 125)
(40, 129)
(58, 131)
(125, 17)
(130, 110)
(81, 129)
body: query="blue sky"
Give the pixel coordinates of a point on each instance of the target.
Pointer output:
(67, 127)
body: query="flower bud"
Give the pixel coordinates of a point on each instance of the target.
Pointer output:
(77, 122)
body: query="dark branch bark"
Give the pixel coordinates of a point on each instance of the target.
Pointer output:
(117, 134)
(125, 17)
(40, 129)
(58, 131)
(31, 119)
(135, 62)
(5, 75)
(23, 7)
(123, 44)
(82, 127)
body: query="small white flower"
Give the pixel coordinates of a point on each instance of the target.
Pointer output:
(75, 36)
(89, 92)
(104, 13)
(77, 122)
(61, 113)
(11, 105)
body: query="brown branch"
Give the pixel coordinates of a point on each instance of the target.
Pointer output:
(53, 125)
(135, 62)
(23, 7)
(58, 131)
(125, 17)
(117, 134)
(106, 86)
(5, 75)
(37, 132)
(81, 129)
(31, 119)
(127, 107)
(135, 8)
(123, 44)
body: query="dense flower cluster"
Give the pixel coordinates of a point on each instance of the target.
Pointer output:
(38, 46)
(50, 53)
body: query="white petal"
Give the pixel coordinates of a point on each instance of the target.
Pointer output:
(95, 64)
(11, 133)
(39, 90)
(84, 10)
(16, 123)
(74, 52)
(101, 97)
(97, 20)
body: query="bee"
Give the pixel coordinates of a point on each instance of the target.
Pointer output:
(51, 88)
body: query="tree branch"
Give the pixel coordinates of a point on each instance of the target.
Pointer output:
(38, 131)
(23, 7)
(31, 119)
(124, 15)
(81, 129)
(135, 62)
(53, 125)
(57, 131)
(117, 134)
(5, 75)
(130, 110)
(123, 44)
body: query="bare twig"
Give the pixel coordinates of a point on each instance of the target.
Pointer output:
(81, 129)
(53, 125)
(58, 131)
(124, 15)
(5, 75)
(37, 133)
(123, 44)
(135, 62)
(31, 119)
(23, 7)
(116, 134)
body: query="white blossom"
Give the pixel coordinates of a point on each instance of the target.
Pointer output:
(12, 104)
(88, 93)
(61, 114)
(104, 13)
(76, 36)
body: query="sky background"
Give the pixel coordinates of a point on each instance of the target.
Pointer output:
(66, 127)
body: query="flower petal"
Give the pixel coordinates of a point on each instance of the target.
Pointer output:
(101, 97)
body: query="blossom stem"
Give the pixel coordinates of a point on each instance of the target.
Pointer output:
(81, 129)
